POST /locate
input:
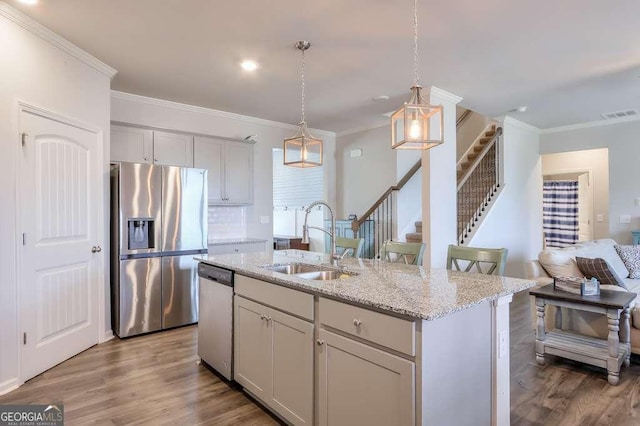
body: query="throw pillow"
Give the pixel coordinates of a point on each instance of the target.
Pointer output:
(630, 256)
(600, 269)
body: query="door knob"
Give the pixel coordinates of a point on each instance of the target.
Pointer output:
(94, 249)
(99, 249)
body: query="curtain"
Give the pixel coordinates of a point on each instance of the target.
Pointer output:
(560, 213)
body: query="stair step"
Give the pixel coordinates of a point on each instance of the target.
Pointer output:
(484, 141)
(418, 226)
(413, 237)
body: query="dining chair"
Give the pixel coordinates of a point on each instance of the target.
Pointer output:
(409, 253)
(485, 260)
(351, 247)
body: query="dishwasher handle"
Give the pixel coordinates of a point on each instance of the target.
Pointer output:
(213, 273)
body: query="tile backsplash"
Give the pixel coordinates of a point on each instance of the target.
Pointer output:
(227, 222)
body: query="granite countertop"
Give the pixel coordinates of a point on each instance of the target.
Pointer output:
(410, 291)
(227, 241)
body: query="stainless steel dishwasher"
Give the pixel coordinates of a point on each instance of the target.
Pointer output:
(215, 326)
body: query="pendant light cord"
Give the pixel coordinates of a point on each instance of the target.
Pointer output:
(415, 42)
(302, 85)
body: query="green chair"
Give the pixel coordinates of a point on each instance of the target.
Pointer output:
(351, 247)
(492, 260)
(409, 253)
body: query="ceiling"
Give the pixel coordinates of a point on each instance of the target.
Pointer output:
(568, 61)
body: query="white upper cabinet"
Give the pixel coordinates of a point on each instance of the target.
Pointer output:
(136, 145)
(131, 144)
(172, 149)
(230, 166)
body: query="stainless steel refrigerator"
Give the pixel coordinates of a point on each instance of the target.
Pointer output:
(158, 223)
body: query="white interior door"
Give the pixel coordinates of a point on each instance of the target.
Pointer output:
(585, 208)
(60, 194)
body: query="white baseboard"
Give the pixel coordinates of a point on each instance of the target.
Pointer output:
(106, 336)
(9, 385)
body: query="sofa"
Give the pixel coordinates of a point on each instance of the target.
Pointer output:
(561, 262)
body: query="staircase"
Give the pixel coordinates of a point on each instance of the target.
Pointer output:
(479, 182)
(415, 237)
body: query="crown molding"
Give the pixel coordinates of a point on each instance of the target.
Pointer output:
(361, 129)
(212, 112)
(507, 119)
(444, 95)
(54, 39)
(590, 124)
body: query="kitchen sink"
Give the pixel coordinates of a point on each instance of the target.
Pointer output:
(309, 272)
(323, 275)
(293, 268)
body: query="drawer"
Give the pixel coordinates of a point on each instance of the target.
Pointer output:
(236, 248)
(287, 300)
(385, 330)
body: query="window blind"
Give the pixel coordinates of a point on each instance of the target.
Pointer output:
(295, 187)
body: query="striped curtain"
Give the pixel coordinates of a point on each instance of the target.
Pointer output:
(560, 213)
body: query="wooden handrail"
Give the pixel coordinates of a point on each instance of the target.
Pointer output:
(479, 158)
(463, 117)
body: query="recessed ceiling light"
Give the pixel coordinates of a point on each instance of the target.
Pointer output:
(30, 2)
(249, 65)
(381, 98)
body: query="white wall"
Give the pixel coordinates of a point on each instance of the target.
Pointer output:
(36, 72)
(596, 161)
(515, 220)
(139, 110)
(362, 180)
(623, 142)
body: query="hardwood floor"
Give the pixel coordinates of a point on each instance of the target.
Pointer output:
(564, 392)
(154, 379)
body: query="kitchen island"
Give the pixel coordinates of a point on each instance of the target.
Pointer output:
(384, 343)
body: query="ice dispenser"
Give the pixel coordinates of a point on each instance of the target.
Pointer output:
(140, 233)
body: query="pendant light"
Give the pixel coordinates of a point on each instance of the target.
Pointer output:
(410, 125)
(303, 150)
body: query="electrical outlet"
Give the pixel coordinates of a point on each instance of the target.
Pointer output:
(599, 217)
(625, 218)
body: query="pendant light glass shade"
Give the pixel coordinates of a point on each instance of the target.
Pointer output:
(302, 149)
(412, 125)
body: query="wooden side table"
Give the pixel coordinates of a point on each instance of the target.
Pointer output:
(608, 353)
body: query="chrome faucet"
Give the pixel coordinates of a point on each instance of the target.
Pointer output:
(332, 233)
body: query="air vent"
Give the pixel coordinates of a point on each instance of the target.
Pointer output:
(620, 114)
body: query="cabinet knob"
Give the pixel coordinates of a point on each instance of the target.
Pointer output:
(357, 322)
(99, 249)
(319, 342)
(237, 250)
(263, 317)
(94, 249)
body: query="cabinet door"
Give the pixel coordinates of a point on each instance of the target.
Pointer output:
(172, 149)
(382, 394)
(292, 360)
(131, 144)
(238, 177)
(252, 344)
(209, 154)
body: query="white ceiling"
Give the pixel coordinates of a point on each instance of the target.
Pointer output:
(569, 61)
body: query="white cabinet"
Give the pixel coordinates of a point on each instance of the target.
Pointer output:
(136, 145)
(230, 166)
(131, 144)
(362, 385)
(172, 149)
(273, 356)
(385, 381)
